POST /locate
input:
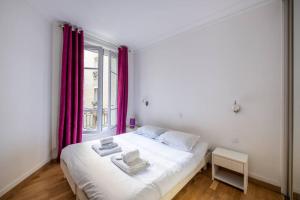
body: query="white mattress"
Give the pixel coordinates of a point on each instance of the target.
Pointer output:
(100, 179)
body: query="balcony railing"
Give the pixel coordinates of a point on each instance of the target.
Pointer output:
(90, 118)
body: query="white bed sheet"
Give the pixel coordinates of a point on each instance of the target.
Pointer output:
(100, 179)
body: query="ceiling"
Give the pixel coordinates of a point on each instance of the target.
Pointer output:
(139, 23)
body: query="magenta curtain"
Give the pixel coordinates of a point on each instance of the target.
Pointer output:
(71, 91)
(122, 89)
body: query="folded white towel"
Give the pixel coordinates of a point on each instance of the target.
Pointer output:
(108, 146)
(105, 152)
(106, 140)
(130, 156)
(138, 165)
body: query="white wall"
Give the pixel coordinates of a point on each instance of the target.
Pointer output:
(25, 92)
(296, 167)
(192, 80)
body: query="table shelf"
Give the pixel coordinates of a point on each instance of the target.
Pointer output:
(232, 178)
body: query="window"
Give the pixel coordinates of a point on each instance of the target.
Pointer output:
(100, 89)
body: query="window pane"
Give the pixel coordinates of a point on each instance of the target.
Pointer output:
(90, 88)
(113, 90)
(113, 118)
(90, 98)
(114, 87)
(90, 119)
(91, 59)
(105, 91)
(114, 67)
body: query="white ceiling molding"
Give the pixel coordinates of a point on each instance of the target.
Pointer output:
(137, 23)
(212, 19)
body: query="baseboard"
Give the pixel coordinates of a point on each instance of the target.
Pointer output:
(267, 185)
(296, 189)
(264, 180)
(296, 196)
(23, 177)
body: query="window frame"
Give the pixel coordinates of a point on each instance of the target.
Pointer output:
(110, 55)
(101, 53)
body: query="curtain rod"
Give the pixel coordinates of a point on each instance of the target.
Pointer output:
(95, 37)
(73, 27)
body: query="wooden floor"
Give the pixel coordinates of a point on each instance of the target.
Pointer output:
(49, 183)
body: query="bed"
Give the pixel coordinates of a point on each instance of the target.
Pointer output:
(92, 177)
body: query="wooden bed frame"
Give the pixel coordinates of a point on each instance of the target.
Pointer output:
(80, 195)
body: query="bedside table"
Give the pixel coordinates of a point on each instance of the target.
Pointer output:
(230, 167)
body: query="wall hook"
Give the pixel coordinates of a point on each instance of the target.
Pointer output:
(236, 107)
(146, 102)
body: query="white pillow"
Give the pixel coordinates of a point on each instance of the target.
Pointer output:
(179, 140)
(150, 131)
